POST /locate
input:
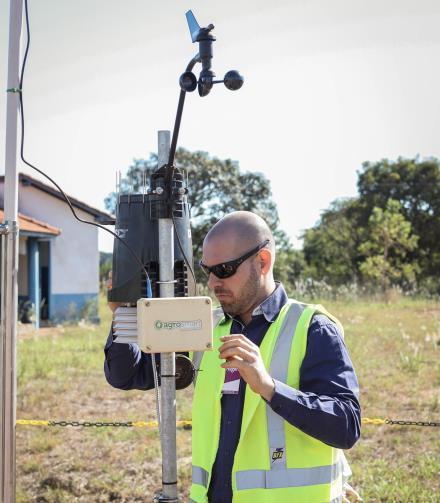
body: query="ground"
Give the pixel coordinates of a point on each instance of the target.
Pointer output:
(395, 349)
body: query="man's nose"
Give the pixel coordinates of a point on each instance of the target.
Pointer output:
(213, 281)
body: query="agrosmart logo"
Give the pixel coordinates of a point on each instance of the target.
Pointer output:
(178, 325)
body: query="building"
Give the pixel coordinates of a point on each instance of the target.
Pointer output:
(58, 255)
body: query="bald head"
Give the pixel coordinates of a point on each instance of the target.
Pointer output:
(241, 231)
(251, 281)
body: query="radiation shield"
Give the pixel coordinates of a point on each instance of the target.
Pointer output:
(166, 325)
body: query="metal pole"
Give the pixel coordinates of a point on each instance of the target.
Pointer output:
(167, 360)
(8, 327)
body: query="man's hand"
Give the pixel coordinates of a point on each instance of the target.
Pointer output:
(242, 354)
(349, 494)
(111, 305)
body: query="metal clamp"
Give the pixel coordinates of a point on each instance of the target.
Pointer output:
(4, 229)
(8, 227)
(167, 282)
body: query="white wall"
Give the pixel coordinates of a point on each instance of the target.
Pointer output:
(74, 253)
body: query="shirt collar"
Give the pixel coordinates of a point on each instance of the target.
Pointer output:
(270, 307)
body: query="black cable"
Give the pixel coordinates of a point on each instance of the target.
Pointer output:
(170, 170)
(183, 254)
(28, 41)
(66, 198)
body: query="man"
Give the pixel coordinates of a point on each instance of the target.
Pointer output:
(277, 398)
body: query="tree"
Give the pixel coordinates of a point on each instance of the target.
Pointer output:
(330, 247)
(216, 187)
(390, 240)
(289, 267)
(415, 184)
(105, 265)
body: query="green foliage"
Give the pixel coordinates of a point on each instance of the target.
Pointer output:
(217, 187)
(105, 265)
(289, 266)
(330, 248)
(415, 184)
(387, 235)
(386, 250)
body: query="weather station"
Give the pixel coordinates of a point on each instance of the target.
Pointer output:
(156, 225)
(153, 282)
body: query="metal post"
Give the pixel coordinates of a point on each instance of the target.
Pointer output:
(8, 327)
(167, 360)
(7, 360)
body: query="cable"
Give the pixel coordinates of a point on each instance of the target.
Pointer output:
(183, 254)
(66, 198)
(156, 392)
(179, 242)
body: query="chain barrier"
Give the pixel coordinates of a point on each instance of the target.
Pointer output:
(411, 423)
(377, 421)
(98, 424)
(186, 424)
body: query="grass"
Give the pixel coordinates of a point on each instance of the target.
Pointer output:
(395, 349)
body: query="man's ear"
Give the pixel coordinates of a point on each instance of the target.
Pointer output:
(265, 260)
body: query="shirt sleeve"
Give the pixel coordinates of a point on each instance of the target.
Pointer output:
(127, 367)
(326, 406)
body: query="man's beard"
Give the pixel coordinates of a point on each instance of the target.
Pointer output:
(244, 300)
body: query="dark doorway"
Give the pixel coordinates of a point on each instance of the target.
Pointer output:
(44, 249)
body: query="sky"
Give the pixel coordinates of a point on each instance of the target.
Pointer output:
(329, 84)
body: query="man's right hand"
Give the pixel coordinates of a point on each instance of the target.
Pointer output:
(111, 305)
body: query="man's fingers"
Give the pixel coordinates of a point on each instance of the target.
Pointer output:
(238, 342)
(237, 352)
(351, 493)
(114, 305)
(234, 337)
(234, 363)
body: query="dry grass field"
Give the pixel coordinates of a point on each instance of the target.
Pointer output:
(395, 348)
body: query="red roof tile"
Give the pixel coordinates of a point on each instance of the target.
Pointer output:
(29, 224)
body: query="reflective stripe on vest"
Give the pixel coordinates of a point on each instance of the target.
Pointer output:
(279, 367)
(279, 476)
(288, 477)
(200, 476)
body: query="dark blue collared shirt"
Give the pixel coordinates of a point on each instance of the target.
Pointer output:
(326, 406)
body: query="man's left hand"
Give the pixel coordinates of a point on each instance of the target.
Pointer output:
(349, 495)
(242, 354)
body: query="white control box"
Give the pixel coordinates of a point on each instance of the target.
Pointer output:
(166, 325)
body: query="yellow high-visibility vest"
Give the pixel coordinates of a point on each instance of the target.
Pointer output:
(275, 462)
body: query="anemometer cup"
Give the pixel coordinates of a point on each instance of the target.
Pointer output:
(188, 82)
(233, 80)
(206, 81)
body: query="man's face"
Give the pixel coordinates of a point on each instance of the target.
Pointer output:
(238, 293)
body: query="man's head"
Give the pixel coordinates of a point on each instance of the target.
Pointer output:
(236, 235)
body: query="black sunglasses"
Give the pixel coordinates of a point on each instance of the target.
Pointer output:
(228, 269)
